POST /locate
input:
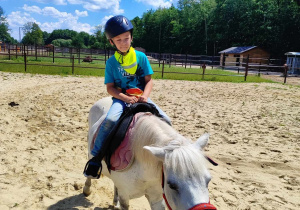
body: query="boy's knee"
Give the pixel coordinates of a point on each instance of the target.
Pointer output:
(110, 122)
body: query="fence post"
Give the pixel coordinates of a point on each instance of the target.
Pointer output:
(35, 52)
(170, 61)
(203, 68)
(185, 60)
(79, 55)
(246, 70)
(8, 52)
(53, 54)
(223, 61)
(16, 51)
(285, 72)
(73, 60)
(25, 62)
(21, 50)
(163, 68)
(70, 51)
(159, 57)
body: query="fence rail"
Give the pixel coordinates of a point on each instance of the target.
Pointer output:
(246, 65)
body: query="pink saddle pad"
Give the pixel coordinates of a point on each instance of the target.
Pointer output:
(122, 158)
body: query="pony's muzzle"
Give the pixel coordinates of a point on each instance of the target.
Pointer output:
(204, 206)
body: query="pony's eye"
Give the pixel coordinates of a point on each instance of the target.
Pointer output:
(173, 186)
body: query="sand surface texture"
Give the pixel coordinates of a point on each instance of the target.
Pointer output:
(254, 128)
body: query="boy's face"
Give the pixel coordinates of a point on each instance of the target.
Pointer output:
(122, 41)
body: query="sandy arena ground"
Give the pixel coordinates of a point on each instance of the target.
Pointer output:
(255, 136)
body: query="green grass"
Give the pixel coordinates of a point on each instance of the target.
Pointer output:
(195, 74)
(58, 68)
(46, 66)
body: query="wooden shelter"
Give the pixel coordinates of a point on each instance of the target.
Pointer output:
(234, 56)
(293, 62)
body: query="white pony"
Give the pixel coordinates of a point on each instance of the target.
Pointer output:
(166, 164)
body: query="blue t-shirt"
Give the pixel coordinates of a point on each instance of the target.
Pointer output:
(114, 73)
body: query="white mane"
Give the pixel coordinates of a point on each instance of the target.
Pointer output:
(151, 131)
(186, 161)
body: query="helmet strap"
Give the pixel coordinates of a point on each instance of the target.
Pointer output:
(119, 51)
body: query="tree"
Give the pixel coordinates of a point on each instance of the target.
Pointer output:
(100, 39)
(46, 35)
(33, 34)
(78, 41)
(85, 37)
(138, 31)
(61, 34)
(4, 29)
(271, 24)
(62, 42)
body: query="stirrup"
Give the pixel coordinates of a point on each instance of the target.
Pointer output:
(92, 169)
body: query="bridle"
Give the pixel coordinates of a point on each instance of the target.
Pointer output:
(202, 206)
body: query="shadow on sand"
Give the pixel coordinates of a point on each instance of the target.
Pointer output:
(74, 203)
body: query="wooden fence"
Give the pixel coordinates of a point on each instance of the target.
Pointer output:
(71, 54)
(257, 65)
(246, 65)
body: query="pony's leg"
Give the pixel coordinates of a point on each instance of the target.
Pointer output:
(87, 187)
(124, 201)
(159, 205)
(155, 199)
(116, 202)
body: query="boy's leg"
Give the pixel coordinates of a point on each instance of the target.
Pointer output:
(161, 112)
(113, 115)
(93, 168)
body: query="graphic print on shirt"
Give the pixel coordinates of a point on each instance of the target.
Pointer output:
(123, 72)
(136, 80)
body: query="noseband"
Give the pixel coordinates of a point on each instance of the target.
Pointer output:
(202, 206)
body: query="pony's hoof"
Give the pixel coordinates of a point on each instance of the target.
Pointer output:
(117, 205)
(86, 191)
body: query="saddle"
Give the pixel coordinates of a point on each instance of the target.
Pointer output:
(93, 167)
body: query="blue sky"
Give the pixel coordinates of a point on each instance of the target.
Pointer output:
(77, 15)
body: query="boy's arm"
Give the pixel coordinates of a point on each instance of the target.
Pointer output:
(110, 87)
(147, 90)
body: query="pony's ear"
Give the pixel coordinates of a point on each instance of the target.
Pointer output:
(202, 141)
(157, 152)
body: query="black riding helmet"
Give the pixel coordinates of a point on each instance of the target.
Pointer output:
(116, 26)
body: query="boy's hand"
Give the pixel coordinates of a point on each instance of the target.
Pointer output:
(131, 99)
(143, 99)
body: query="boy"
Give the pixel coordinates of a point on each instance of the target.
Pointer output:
(126, 70)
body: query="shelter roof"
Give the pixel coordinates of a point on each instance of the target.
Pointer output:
(237, 50)
(293, 53)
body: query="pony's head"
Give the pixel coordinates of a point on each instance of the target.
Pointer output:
(185, 175)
